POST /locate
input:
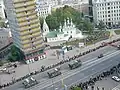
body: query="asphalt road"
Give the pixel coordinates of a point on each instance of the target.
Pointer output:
(88, 60)
(84, 73)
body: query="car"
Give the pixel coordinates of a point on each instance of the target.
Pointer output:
(100, 56)
(116, 78)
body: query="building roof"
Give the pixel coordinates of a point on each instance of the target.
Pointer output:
(53, 34)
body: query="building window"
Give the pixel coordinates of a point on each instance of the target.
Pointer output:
(108, 3)
(108, 7)
(108, 15)
(108, 11)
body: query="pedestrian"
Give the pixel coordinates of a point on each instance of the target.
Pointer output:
(97, 88)
(103, 88)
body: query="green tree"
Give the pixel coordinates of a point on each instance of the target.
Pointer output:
(76, 88)
(101, 25)
(2, 23)
(16, 54)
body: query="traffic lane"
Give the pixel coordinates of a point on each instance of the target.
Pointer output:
(48, 82)
(104, 50)
(43, 76)
(101, 67)
(65, 66)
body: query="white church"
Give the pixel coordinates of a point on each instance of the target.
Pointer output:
(65, 32)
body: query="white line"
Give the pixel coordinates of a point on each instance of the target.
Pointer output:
(100, 60)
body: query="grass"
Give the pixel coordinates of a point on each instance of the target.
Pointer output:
(98, 38)
(76, 88)
(117, 32)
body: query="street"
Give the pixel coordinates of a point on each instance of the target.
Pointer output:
(87, 60)
(88, 68)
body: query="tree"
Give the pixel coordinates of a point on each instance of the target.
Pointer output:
(2, 23)
(101, 25)
(16, 54)
(76, 88)
(57, 17)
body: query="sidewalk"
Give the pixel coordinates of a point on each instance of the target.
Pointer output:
(24, 69)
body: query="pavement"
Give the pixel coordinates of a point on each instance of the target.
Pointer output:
(81, 74)
(77, 74)
(24, 69)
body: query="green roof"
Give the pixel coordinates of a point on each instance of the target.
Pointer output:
(53, 34)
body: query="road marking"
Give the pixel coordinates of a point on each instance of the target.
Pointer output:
(100, 60)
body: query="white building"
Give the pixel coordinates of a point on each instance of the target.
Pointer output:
(65, 32)
(79, 5)
(44, 7)
(107, 11)
(2, 11)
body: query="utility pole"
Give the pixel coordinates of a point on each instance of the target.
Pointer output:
(29, 68)
(53, 84)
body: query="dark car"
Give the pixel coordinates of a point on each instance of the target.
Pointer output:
(75, 64)
(54, 73)
(100, 56)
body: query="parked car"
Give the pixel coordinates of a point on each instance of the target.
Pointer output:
(116, 78)
(100, 56)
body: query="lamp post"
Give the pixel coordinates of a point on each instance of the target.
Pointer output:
(28, 68)
(53, 84)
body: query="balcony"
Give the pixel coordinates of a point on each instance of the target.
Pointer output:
(23, 19)
(30, 27)
(21, 4)
(18, 1)
(25, 9)
(24, 14)
(25, 33)
(28, 23)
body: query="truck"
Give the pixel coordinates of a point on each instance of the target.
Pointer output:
(55, 72)
(75, 64)
(29, 82)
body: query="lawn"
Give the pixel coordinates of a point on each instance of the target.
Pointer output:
(96, 39)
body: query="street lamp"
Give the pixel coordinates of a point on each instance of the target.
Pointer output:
(28, 68)
(53, 84)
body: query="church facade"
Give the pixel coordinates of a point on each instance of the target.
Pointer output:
(64, 33)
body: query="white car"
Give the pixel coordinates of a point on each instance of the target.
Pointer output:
(116, 78)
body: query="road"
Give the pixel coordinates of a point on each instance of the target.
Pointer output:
(83, 73)
(89, 62)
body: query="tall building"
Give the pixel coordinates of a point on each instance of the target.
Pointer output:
(25, 28)
(107, 11)
(2, 11)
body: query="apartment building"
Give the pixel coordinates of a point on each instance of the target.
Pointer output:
(107, 11)
(25, 28)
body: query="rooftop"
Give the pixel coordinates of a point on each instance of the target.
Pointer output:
(53, 34)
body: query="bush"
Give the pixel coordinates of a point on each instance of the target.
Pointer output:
(1, 63)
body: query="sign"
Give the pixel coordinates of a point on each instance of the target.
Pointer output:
(81, 44)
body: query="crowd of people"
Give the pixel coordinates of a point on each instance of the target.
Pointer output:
(43, 68)
(91, 81)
